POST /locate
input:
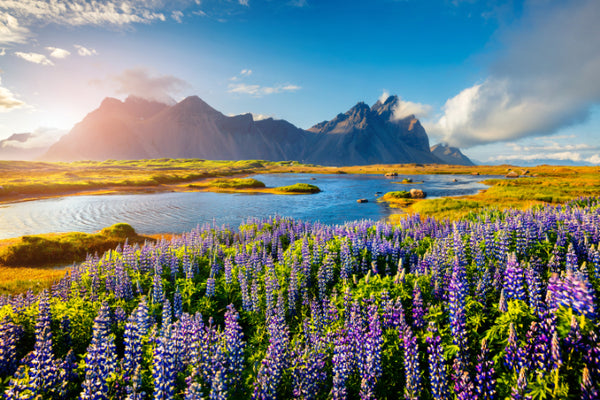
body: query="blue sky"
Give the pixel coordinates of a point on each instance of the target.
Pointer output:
(504, 83)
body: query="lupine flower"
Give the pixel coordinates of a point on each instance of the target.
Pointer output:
(9, 337)
(589, 389)
(518, 391)
(371, 366)
(342, 366)
(418, 310)
(437, 365)
(163, 366)
(485, 380)
(513, 280)
(101, 358)
(414, 386)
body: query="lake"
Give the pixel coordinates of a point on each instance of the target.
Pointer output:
(181, 212)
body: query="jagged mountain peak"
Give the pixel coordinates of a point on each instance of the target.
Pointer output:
(450, 155)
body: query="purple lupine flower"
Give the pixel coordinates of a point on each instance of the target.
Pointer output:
(157, 290)
(163, 364)
(502, 303)
(370, 370)
(234, 346)
(538, 349)
(518, 391)
(513, 280)
(101, 358)
(414, 384)
(177, 304)
(463, 385)
(485, 380)
(437, 365)
(275, 361)
(512, 357)
(534, 289)
(40, 365)
(342, 365)
(418, 310)
(308, 374)
(457, 292)
(589, 389)
(210, 287)
(9, 337)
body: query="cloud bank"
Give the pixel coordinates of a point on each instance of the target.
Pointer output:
(545, 79)
(138, 82)
(35, 58)
(8, 101)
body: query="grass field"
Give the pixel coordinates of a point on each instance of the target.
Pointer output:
(28, 262)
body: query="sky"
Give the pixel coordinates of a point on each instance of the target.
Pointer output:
(505, 83)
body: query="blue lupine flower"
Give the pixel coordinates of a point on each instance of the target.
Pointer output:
(437, 365)
(414, 386)
(101, 358)
(485, 380)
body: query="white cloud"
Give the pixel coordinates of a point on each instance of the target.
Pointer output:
(58, 53)
(41, 137)
(258, 91)
(35, 58)
(2, 51)
(11, 31)
(260, 117)
(384, 96)
(545, 79)
(8, 100)
(404, 109)
(595, 159)
(298, 3)
(84, 51)
(177, 16)
(138, 82)
(561, 156)
(83, 12)
(244, 2)
(246, 72)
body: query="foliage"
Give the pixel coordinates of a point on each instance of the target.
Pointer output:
(298, 188)
(498, 305)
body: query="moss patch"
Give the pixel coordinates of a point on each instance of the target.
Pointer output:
(299, 188)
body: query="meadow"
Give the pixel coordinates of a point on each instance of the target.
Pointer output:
(501, 304)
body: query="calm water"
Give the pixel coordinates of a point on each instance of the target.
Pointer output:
(180, 212)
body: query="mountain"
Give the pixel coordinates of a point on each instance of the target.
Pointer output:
(450, 155)
(25, 146)
(371, 135)
(142, 129)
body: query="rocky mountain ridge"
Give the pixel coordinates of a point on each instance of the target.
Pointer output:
(141, 129)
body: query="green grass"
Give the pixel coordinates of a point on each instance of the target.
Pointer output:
(400, 194)
(66, 248)
(236, 183)
(299, 188)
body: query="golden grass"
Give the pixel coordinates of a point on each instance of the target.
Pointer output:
(20, 279)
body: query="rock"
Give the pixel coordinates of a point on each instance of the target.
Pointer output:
(391, 174)
(475, 173)
(407, 180)
(512, 174)
(417, 194)
(313, 179)
(362, 201)
(454, 180)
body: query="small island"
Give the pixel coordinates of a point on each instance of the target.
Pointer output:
(250, 185)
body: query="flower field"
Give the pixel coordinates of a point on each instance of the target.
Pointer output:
(498, 305)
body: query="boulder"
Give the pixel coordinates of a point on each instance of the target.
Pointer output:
(391, 174)
(362, 201)
(417, 194)
(512, 174)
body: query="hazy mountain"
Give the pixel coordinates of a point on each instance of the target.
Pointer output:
(25, 146)
(450, 155)
(137, 129)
